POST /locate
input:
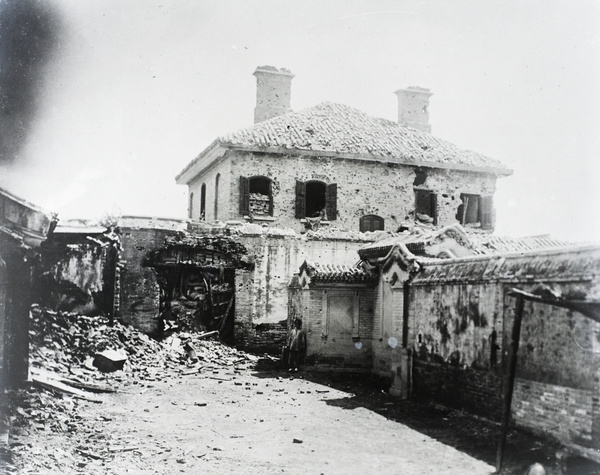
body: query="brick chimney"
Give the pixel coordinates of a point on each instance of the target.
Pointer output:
(273, 92)
(413, 107)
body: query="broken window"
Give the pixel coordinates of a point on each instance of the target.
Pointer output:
(316, 199)
(203, 202)
(371, 223)
(256, 196)
(476, 210)
(426, 206)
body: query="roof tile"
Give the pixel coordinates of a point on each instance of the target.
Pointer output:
(330, 127)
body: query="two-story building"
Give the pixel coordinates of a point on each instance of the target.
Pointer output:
(335, 165)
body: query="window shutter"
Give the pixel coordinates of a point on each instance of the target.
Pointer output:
(423, 202)
(244, 196)
(434, 213)
(486, 208)
(270, 198)
(300, 199)
(363, 224)
(331, 201)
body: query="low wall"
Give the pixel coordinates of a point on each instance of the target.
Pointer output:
(465, 389)
(560, 412)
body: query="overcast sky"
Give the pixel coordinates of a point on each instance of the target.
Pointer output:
(132, 90)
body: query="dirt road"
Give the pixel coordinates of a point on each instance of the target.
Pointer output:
(225, 421)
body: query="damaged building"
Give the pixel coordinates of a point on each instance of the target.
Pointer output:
(333, 165)
(23, 228)
(436, 312)
(314, 185)
(204, 275)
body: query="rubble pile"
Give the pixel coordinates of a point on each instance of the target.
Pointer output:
(66, 343)
(71, 344)
(64, 348)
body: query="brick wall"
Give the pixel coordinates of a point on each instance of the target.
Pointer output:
(261, 294)
(139, 290)
(467, 389)
(560, 412)
(388, 321)
(330, 342)
(450, 330)
(455, 323)
(277, 258)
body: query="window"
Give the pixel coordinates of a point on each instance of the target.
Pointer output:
(217, 178)
(426, 206)
(191, 207)
(371, 223)
(315, 198)
(203, 202)
(476, 209)
(256, 196)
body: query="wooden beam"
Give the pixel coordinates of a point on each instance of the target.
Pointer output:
(508, 380)
(589, 308)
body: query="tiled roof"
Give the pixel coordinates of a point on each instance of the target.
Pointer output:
(479, 243)
(575, 263)
(490, 244)
(336, 273)
(340, 129)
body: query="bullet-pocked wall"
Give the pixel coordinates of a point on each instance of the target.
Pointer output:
(262, 294)
(261, 290)
(362, 188)
(461, 319)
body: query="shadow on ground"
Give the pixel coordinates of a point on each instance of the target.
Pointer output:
(473, 436)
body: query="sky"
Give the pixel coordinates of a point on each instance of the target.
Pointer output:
(106, 101)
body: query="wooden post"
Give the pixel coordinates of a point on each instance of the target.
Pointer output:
(508, 380)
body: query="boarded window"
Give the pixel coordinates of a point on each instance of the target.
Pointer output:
(256, 197)
(426, 206)
(316, 199)
(371, 223)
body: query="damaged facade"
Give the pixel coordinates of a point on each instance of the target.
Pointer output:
(332, 165)
(435, 312)
(205, 275)
(23, 227)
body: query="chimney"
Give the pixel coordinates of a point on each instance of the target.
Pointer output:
(273, 92)
(413, 107)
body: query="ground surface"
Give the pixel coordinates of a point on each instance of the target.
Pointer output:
(223, 420)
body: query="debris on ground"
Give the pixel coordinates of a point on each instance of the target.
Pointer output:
(75, 358)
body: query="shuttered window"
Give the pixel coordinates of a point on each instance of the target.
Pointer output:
(371, 223)
(316, 199)
(476, 209)
(486, 209)
(256, 196)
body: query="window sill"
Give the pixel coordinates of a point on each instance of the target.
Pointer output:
(303, 220)
(260, 218)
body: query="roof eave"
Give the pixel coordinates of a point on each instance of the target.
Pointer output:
(187, 175)
(368, 158)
